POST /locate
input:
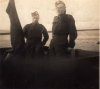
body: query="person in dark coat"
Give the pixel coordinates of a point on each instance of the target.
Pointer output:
(63, 27)
(33, 33)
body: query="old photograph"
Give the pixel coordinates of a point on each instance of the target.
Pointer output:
(49, 44)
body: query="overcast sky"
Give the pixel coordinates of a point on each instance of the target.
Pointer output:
(85, 12)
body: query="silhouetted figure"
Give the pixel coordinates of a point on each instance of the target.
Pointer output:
(33, 33)
(63, 26)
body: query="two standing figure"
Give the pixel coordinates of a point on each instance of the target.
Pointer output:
(63, 27)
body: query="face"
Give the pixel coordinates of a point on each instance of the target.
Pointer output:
(35, 18)
(61, 9)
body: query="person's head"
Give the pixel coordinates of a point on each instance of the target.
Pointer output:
(35, 17)
(61, 7)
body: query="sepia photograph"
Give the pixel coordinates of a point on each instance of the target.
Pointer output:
(49, 44)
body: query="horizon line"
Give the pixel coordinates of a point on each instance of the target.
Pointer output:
(7, 33)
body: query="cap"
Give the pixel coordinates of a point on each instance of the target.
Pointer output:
(59, 2)
(34, 13)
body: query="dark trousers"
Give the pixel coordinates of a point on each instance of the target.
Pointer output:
(34, 50)
(59, 49)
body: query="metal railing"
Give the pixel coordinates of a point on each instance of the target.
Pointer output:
(8, 33)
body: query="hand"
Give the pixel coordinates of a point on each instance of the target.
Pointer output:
(70, 49)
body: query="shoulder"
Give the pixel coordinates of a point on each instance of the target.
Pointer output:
(70, 17)
(41, 25)
(27, 25)
(43, 28)
(55, 19)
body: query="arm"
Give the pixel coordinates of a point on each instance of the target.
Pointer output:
(72, 32)
(25, 31)
(45, 35)
(55, 22)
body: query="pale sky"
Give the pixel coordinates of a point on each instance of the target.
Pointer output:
(85, 12)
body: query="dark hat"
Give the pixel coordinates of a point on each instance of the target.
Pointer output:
(59, 2)
(34, 13)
